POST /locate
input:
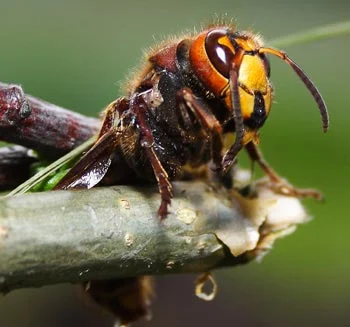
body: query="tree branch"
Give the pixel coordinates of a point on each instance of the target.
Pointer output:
(39, 125)
(74, 236)
(49, 129)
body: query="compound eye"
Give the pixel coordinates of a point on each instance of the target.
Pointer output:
(218, 51)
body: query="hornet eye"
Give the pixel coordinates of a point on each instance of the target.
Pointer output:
(220, 55)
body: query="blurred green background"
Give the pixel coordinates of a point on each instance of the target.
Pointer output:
(77, 53)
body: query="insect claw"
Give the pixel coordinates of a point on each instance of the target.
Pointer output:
(163, 209)
(283, 187)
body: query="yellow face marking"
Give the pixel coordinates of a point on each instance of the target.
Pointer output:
(252, 79)
(247, 103)
(252, 74)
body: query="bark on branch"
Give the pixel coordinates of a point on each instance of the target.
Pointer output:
(39, 125)
(50, 130)
(74, 236)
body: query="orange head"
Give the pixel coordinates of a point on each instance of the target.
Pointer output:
(233, 66)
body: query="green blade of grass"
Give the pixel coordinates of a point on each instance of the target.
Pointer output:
(315, 34)
(52, 168)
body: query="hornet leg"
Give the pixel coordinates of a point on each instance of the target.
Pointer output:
(278, 183)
